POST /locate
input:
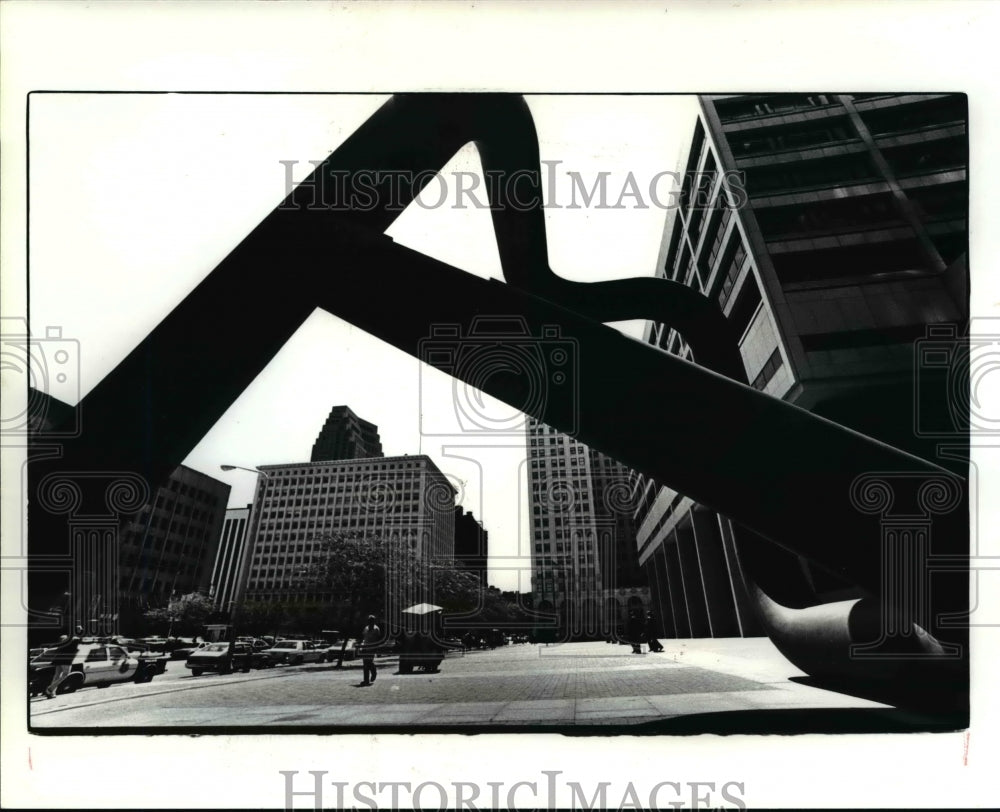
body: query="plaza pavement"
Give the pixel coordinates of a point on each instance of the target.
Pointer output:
(720, 685)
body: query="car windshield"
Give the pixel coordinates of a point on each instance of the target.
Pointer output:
(285, 644)
(217, 647)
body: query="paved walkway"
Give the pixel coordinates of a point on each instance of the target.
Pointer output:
(578, 684)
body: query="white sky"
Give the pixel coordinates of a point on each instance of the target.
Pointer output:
(149, 193)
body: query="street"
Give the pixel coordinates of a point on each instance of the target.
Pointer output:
(728, 685)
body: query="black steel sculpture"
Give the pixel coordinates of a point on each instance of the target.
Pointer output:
(788, 475)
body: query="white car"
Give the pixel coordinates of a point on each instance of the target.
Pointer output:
(294, 652)
(99, 664)
(331, 652)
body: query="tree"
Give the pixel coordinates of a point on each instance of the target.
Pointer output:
(373, 575)
(262, 617)
(184, 615)
(454, 590)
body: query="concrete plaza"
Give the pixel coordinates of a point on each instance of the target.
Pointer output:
(704, 685)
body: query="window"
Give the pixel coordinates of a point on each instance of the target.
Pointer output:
(928, 156)
(735, 264)
(850, 339)
(786, 177)
(771, 366)
(746, 305)
(789, 137)
(830, 216)
(851, 261)
(905, 118)
(753, 107)
(717, 231)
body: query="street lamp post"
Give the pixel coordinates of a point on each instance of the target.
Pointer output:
(243, 570)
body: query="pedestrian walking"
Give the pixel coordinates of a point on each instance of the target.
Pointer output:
(62, 659)
(654, 645)
(371, 635)
(634, 630)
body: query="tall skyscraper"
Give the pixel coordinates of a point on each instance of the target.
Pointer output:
(406, 500)
(583, 546)
(345, 436)
(832, 231)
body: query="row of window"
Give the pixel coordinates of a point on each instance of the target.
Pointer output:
(305, 476)
(928, 156)
(735, 265)
(150, 585)
(376, 504)
(717, 229)
(741, 108)
(853, 213)
(284, 534)
(838, 170)
(178, 564)
(561, 440)
(849, 261)
(176, 507)
(851, 339)
(192, 491)
(584, 501)
(791, 137)
(567, 573)
(547, 547)
(558, 465)
(342, 496)
(916, 116)
(177, 523)
(156, 538)
(745, 307)
(558, 521)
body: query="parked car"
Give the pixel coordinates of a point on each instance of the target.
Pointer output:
(223, 659)
(294, 652)
(332, 649)
(96, 663)
(256, 643)
(182, 649)
(154, 643)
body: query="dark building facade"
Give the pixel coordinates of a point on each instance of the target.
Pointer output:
(169, 546)
(831, 230)
(345, 436)
(471, 544)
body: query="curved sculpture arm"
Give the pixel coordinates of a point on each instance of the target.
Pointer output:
(436, 126)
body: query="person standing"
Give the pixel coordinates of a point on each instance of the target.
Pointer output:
(371, 635)
(62, 659)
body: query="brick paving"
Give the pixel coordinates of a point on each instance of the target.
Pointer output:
(573, 684)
